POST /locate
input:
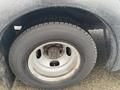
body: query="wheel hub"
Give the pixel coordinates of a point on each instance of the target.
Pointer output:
(53, 51)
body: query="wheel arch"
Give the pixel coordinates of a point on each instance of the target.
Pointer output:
(105, 14)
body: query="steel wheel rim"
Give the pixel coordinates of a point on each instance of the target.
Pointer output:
(54, 67)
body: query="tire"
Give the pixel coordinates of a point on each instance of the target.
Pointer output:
(23, 46)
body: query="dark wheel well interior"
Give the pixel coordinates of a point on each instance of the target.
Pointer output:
(80, 17)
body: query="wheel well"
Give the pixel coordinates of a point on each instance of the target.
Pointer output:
(82, 18)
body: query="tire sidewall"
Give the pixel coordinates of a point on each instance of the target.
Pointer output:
(34, 38)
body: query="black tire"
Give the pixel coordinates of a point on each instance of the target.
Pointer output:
(31, 38)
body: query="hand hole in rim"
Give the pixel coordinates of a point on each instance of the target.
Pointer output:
(38, 54)
(54, 63)
(68, 51)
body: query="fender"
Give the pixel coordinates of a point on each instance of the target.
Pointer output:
(107, 10)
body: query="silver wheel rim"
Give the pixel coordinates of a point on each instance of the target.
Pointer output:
(54, 61)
